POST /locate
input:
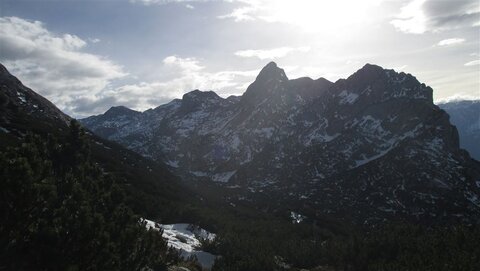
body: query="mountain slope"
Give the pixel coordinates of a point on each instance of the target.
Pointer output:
(368, 148)
(148, 184)
(465, 115)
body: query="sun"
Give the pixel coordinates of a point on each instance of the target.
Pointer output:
(317, 15)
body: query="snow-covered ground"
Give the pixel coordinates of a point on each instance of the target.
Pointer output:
(186, 238)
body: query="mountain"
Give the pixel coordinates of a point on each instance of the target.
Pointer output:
(465, 115)
(19, 103)
(368, 148)
(148, 184)
(64, 192)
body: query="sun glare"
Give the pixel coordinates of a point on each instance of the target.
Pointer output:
(317, 15)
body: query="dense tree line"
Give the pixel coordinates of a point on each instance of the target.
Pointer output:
(60, 211)
(272, 245)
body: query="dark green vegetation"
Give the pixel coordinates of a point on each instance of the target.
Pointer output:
(394, 247)
(252, 239)
(61, 212)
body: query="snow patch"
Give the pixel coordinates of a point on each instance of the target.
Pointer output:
(223, 177)
(199, 173)
(21, 97)
(172, 163)
(367, 160)
(347, 97)
(473, 198)
(186, 239)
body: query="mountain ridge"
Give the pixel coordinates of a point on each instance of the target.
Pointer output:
(25, 112)
(370, 146)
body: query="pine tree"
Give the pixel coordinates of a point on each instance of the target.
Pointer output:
(59, 211)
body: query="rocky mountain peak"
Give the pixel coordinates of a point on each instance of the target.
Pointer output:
(199, 99)
(120, 110)
(373, 143)
(271, 79)
(198, 95)
(378, 85)
(368, 74)
(271, 72)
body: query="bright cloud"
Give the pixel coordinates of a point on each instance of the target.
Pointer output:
(163, 2)
(457, 97)
(52, 64)
(473, 63)
(411, 18)
(186, 74)
(448, 42)
(81, 83)
(271, 53)
(310, 15)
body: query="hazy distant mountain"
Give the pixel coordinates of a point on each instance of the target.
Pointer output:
(465, 115)
(371, 146)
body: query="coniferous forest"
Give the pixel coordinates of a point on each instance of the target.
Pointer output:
(60, 211)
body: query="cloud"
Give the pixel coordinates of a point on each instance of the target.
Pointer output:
(184, 75)
(164, 2)
(243, 13)
(472, 63)
(420, 16)
(452, 14)
(310, 15)
(52, 64)
(456, 98)
(411, 18)
(271, 53)
(449, 42)
(93, 40)
(182, 65)
(82, 84)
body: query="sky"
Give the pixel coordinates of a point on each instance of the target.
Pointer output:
(88, 55)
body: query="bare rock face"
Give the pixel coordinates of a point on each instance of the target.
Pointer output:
(371, 147)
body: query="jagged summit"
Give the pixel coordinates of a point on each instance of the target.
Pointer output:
(370, 146)
(271, 79)
(200, 95)
(368, 73)
(271, 72)
(196, 99)
(120, 110)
